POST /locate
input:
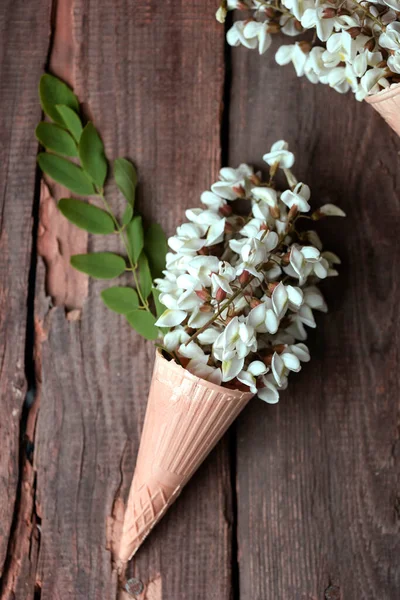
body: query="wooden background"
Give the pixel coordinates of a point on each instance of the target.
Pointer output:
(300, 501)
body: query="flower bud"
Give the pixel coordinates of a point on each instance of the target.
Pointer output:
(206, 308)
(297, 25)
(228, 227)
(255, 179)
(275, 212)
(203, 251)
(225, 210)
(285, 260)
(370, 45)
(272, 285)
(255, 302)
(293, 211)
(244, 278)
(279, 348)
(354, 32)
(267, 359)
(305, 46)
(203, 294)
(329, 13)
(239, 191)
(220, 295)
(273, 28)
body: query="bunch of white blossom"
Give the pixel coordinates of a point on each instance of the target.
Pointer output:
(356, 44)
(239, 290)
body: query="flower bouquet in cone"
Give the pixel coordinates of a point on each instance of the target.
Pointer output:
(356, 44)
(227, 305)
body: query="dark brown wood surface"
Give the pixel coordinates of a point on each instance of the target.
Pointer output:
(314, 514)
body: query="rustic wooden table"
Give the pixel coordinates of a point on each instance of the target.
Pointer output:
(299, 501)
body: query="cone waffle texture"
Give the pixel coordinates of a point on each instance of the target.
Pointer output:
(185, 418)
(387, 103)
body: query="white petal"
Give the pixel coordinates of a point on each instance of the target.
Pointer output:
(280, 300)
(271, 321)
(301, 351)
(208, 336)
(269, 393)
(291, 361)
(278, 368)
(171, 318)
(257, 368)
(330, 210)
(231, 368)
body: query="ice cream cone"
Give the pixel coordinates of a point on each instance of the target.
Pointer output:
(387, 103)
(185, 417)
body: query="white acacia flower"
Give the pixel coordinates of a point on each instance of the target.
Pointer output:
(255, 30)
(249, 377)
(315, 69)
(279, 153)
(268, 195)
(212, 201)
(298, 197)
(292, 53)
(174, 338)
(232, 181)
(235, 36)
(372, 79)
(263, 318)
(222, 280)
(314, 17)
(331, 210)
(390, 38)
(297, 7)
(305, 260)
(269, 392)
(188, 239)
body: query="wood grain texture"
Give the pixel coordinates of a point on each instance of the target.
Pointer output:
(19, 112)
(317, 475)
(151, 77)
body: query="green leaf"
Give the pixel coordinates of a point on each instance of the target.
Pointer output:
(55, 138)
(121, 300)
(144, 323)
(134, 231)
(155, 245)
(127, 216)
(145, 279)
(71, 120)
(53, 91)
(126, 179)
(66, 173)
(86, 216)
(101, 265)
(160, 308)
(91, 153)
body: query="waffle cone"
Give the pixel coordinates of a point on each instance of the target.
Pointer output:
(185, 417)
(387, 103)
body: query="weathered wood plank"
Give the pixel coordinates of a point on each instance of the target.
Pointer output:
(151, 75)
(24, 34)
(317, 499)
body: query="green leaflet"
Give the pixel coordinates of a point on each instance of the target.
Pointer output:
(134, 231)
(101, 265)
(71, 120)
(126, 179)
(91, 153)
(67, 173)
(55, 138)
(155, 245)
(145, 278)
(86, 216)
(53, 91)
(144, 323)
(121, 300)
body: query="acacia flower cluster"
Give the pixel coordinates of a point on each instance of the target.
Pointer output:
(356, 44)
(239, 290)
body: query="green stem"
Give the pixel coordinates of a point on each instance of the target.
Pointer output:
(133, 267)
